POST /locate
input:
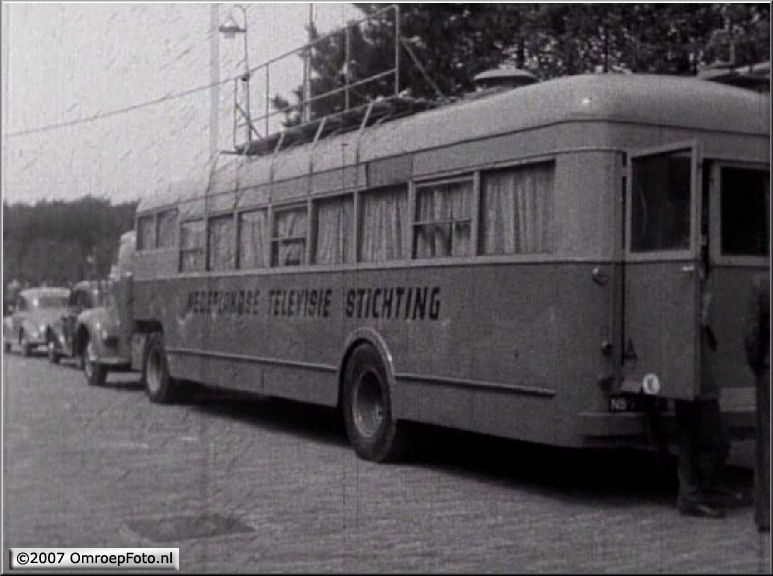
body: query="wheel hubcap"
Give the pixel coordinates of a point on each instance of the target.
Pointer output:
(368, 404)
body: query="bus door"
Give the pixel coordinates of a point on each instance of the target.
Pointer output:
(663, 272)
(739, 229)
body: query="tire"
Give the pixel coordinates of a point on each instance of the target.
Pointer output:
(53, 355)
(95, 373)
(367, 408)
(26, 349)
(159, 386)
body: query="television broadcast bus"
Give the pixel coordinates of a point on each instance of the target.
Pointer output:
(537, 263)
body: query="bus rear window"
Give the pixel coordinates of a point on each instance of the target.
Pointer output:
(660, 202)
(745, 212)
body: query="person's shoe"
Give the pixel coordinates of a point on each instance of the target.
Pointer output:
(700, 509)
(727, 497)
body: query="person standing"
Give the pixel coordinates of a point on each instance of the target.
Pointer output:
(757, 341)
(702, 440)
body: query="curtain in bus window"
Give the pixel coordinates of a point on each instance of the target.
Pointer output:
(660, 202)
(518, 210)
(335, 229)
(253, 240)
(444, 215)
(222, 254)
(192, 245)
(290, 238)
(146, 234)
(167, 229)
(384, 225)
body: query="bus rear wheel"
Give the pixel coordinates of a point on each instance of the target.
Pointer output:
(158, 384)
(367, 408)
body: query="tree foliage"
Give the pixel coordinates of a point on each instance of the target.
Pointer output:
(58, 243)
(454, 42)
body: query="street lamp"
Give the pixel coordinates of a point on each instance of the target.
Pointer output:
(229, 29)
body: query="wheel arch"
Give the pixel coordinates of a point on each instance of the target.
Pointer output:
(365, 335)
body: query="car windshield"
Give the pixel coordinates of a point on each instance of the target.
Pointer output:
(50, 301)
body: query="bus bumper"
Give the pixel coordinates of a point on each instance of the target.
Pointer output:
(608, 427)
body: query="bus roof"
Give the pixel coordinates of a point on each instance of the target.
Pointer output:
(676, 101)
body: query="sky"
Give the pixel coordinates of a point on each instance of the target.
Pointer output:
(64, 62)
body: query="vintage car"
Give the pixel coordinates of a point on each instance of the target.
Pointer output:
(85, 295)
(102, 334)
(35, 311)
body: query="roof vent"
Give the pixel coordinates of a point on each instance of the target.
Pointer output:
(502, 78)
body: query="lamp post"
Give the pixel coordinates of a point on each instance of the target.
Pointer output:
(229, 29)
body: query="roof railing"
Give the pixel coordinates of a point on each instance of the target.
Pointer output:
(344, 115)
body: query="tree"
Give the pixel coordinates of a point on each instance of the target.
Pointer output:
(454, 42)
(50, 241)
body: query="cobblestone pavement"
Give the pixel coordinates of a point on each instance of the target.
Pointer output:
(243, 485)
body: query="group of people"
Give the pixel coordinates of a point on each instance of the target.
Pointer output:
(703, 444)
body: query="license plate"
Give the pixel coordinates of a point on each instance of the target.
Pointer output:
(624, 404)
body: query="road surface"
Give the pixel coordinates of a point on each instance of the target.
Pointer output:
(249, 485)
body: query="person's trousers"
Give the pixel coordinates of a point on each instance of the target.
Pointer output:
(762, 459)
(703, 447)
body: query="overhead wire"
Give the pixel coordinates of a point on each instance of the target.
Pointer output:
(119, 111)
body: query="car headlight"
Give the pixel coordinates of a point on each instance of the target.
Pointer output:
(104, 334)
(43, 328)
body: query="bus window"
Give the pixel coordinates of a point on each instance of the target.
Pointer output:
(744, 211)
(253, 239)
(517, 213)
(146, 232)
(335, 230)
(222, 255)
(192, 246)
(660, 206)
(384, 225)
(443, 219)
(289, 241)
(166, 236)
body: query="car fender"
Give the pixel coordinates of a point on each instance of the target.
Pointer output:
(91, 322)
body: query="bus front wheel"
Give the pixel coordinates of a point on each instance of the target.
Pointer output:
(158, 385)
(367, 408)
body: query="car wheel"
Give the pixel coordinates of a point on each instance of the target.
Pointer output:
(367, 407)
(26, 348)
(159, 387)
(53, 355)
(95, 373)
